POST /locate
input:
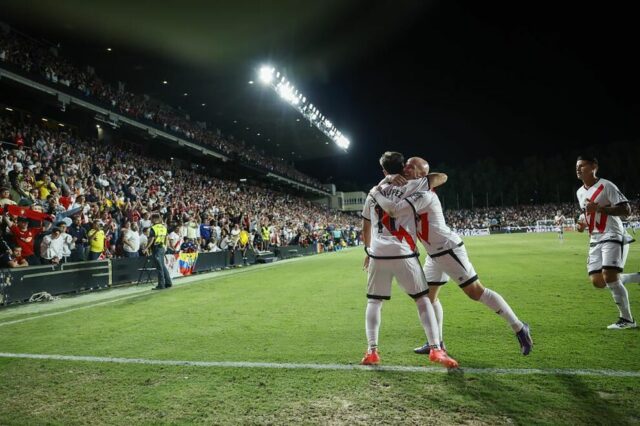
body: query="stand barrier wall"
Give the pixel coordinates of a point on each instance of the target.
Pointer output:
(19, 284)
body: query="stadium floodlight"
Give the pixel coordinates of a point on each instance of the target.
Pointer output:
(266, 74)
(286, 92)
(274, 79)
(343, 142)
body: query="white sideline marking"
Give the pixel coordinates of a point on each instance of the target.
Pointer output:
(292, 366)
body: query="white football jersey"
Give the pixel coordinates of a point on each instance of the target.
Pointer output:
(560, 220)
(600, 225)
(432, 229)
(392, 235)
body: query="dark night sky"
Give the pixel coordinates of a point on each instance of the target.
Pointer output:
(451, 81)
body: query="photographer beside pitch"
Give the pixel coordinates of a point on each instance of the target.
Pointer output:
(603, 206)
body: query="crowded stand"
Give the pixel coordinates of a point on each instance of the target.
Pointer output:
(69, 198)
(508, 217)
(35, 58)
(523, 217)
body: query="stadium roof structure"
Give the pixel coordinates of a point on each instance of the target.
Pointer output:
(194, 58)
(453, 81)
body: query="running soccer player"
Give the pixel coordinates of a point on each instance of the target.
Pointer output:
(390, 245)
(560, 221)
(447, 255)
(603, 205)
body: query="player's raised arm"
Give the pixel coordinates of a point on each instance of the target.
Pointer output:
(389, 206)
(437, 179)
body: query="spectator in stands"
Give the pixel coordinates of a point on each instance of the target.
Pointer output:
(5, 199)
(145, 222)
(225, 240)
(131, 241)
(174, 241)
(144, 240)
(206, 226)
(24, 236)
(234, 236)
(79, 239)
(45, 186)
(52, 247)
(11, 257)
(15, 178)
(67, 240)
(96, 238)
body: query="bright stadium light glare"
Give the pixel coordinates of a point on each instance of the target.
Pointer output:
(266, 74)
(286, 92)
(276, 80)
(343, 142)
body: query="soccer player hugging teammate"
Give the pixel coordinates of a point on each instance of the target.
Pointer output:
(447, 254)
(390, 245)
(603, 205)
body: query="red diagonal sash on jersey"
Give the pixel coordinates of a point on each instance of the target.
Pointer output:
(592, 216)
(424, 228)
(400, 234)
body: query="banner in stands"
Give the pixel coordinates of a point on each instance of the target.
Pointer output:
(180, 264)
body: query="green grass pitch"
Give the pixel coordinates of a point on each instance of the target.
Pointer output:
(311, 311)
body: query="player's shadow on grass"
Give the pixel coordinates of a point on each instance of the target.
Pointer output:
(511, 396)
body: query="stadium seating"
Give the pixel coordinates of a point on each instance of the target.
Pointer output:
(35, 58)
(62, 175)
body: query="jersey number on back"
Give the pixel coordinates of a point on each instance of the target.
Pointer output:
(381, 218)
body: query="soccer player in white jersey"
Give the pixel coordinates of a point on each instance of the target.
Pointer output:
(390, 245)
(559, 221)
(603, 205)
(447, 254)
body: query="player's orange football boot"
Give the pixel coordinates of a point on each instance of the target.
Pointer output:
(371, 358)
(441, 357)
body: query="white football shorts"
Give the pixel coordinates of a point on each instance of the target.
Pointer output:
(408, 273)
(607, 255)
(453, 263)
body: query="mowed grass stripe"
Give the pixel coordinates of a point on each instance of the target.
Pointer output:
(294, 366)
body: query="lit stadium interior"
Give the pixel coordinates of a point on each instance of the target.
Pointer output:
(206, 205)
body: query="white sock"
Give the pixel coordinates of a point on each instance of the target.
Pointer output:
(630, 278)
(497, 304)
(437, 310)
(373, 318)
(428, 320)
(621, 297)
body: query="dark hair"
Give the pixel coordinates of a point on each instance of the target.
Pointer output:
(590, 158)
(392, 162)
